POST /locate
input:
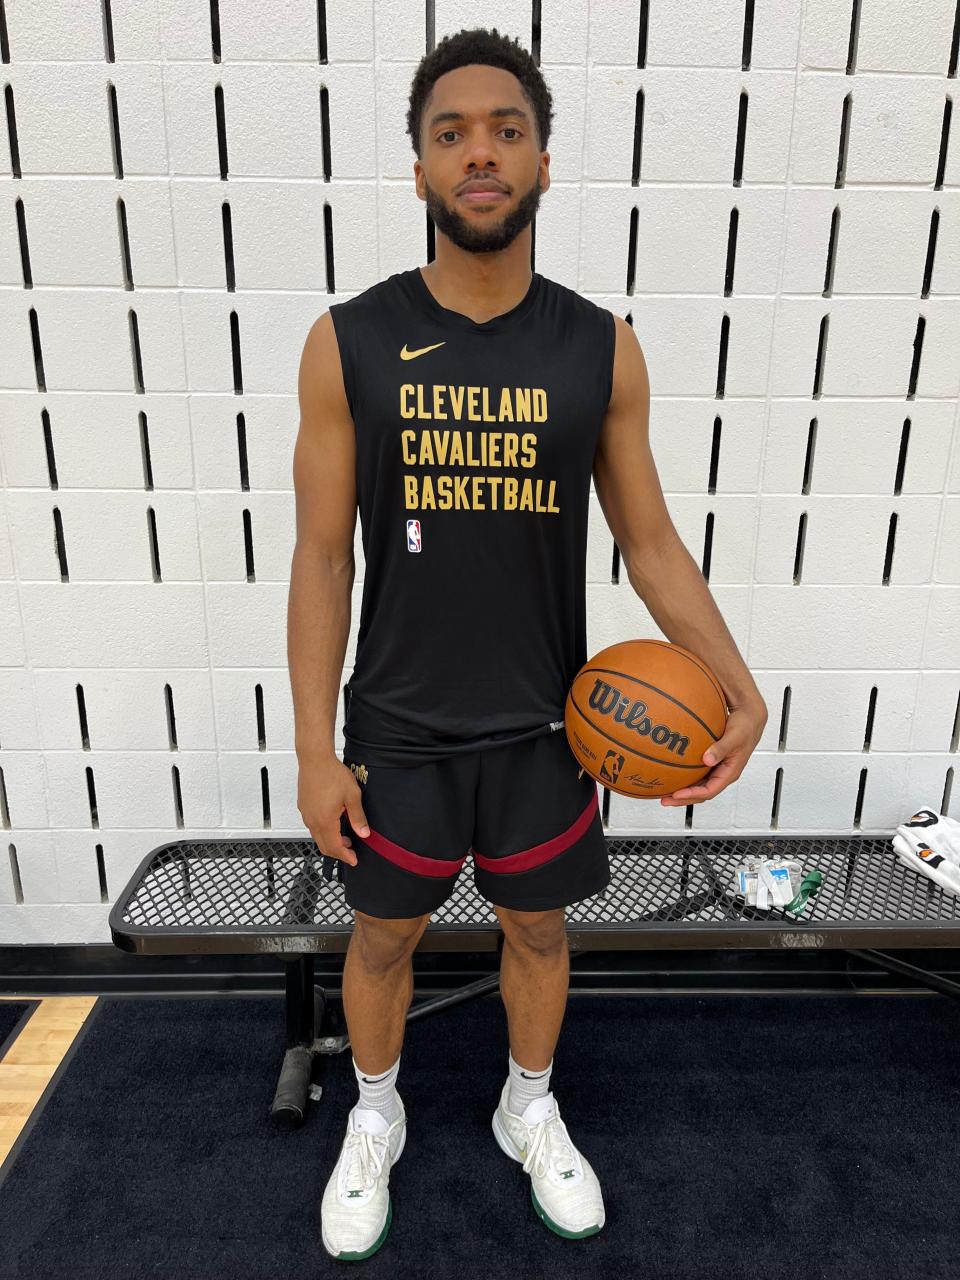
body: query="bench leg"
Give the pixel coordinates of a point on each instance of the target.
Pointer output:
(304, 1014)
(934, 981)
(472, 989)
(301, 1028)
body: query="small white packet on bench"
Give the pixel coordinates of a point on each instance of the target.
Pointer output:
(763, 893)
(745, 880)
(780, 886)
(775, 876)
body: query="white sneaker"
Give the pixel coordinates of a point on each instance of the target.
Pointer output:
(563, 1186)
(356, 1212)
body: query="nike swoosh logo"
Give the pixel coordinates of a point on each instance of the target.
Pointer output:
(412, 355)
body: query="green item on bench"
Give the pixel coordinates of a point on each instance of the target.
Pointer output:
(808, 887)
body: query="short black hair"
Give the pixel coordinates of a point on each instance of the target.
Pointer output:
(493, 49)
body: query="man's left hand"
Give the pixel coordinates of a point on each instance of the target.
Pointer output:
(729, 754)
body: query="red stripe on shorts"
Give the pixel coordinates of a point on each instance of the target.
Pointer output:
(538, 854)
(418, 863)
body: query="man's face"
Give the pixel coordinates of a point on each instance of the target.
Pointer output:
(479, 130)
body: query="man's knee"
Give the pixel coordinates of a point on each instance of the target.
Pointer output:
(386, 942)
(536, 930)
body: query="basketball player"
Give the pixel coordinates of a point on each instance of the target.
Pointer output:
(463, 407)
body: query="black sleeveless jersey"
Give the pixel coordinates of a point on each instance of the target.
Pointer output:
(474, 453)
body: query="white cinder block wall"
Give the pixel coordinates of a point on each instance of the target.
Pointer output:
(769, 192)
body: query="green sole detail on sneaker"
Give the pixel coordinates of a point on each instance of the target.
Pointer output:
(561, 1231)
(356, 1256)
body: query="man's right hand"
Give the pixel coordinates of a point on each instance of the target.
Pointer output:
(326, 787)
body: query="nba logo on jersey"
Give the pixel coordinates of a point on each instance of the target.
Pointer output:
(413, 535)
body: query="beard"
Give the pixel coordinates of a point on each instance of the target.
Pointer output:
(476, 238)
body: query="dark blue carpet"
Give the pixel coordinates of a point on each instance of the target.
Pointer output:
(735, 1137)
(11, 1014)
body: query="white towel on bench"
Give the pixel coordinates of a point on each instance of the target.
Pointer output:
(929, 842)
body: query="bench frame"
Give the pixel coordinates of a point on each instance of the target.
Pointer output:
(676, 892)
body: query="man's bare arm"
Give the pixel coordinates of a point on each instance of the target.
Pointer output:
(323, 569)
(624, 472)
(660, 568)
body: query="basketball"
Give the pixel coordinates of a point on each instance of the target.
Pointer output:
(640, 714)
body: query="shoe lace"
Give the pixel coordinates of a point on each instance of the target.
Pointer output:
(363, 1160)
(551, 1144)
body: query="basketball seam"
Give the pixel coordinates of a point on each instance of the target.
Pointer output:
(669, 764)
(692, 657)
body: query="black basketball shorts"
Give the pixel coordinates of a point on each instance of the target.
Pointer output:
(530, 821)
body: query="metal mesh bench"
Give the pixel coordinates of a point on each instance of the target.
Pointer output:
(271, 895)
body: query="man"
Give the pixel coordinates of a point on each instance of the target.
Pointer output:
(464, 408)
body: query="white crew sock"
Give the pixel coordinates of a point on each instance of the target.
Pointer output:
(526, 1085)
(379, 1092)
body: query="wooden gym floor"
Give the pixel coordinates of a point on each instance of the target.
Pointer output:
(34, 1056)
